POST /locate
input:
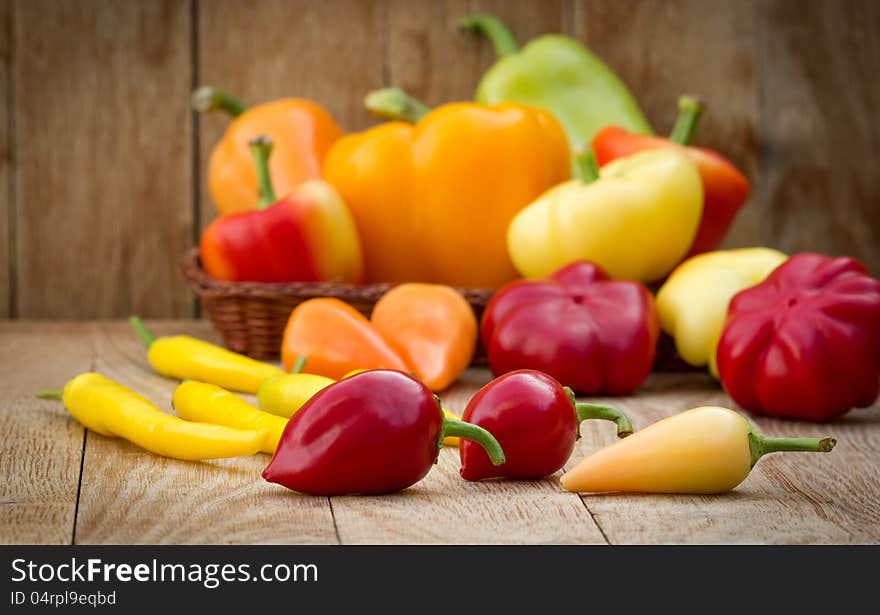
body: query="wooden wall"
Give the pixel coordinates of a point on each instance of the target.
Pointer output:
(102, 162)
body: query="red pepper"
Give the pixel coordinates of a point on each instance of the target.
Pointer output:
(308, 235)
(374, 432)
(804, 343)
(591, 334)
(724, 188)
(535, 420)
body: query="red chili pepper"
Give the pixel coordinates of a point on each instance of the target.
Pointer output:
(374, 432)
(591, 334)
(535, 420)
(308, 235)
(725, 189)
(804, 343)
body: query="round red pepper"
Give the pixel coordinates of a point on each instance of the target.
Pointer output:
(804, 343)
(725, 189)
(591, 334)
(375, 432)
(535, 420)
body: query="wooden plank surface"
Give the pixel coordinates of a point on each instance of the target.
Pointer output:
(6, 201)
(129, 496)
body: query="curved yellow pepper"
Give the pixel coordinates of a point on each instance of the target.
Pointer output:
(110, 409)
(208, 403)
(693, 301)
(188, 358)
(636, 220)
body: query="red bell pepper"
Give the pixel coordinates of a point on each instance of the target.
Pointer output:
(591, 334)
(375, 432)
(804, 343)
(724, 188)
(535, 420)
(308, 235)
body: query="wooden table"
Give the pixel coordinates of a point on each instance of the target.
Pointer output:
(63, 484)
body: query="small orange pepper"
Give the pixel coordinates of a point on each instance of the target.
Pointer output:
(431, 327)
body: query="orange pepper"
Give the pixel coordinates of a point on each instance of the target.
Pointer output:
(302, 131)
(337, 339)
(432, 200)
(431, 327)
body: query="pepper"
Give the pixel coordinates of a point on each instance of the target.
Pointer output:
(375, 432)
(208, 403)
(336, 338)
(725, 189)
(559, 74)
(589, 333)
(693, 301)
(283, 394)
(432, 327)
(188, 358)
(805, 342)
(302, 130)
(535, 420)
(308, 235)
(636, 218)
(442, 191)
(112, 410)
(703, 450)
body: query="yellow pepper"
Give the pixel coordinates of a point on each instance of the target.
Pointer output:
(703, 450)
(188, 358)
(636, 219)
(110, 409)
(208, 403)
(285, 393)
(693, 302)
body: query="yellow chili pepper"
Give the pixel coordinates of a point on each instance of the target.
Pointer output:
(285, 393)
(703, 450)
(110, 409)
(693, 302)
(208, 403)
(188, 358)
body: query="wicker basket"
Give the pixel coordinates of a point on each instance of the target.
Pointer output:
(250, 316)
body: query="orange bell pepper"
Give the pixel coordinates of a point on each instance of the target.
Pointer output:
(431, 327)
(337, 339)
(432, 200)
(302, 131)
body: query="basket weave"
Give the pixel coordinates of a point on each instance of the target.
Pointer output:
(250, 316)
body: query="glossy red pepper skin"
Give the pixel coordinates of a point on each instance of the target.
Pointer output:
(725, 189)
(805, 343)
(588, 332)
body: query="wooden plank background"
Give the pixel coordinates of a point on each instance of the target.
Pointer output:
(102, 162)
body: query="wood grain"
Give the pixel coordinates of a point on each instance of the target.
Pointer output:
(41, 444)
(102, 173)
(130, 496)
(6, 201)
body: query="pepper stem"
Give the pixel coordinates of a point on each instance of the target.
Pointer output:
(395, 104)
(208, 98)
(689, 111)
(298, 364)
(261, 149)
(50, 394)
(585, 411)
(147, 336)
(762, 445)
(492, 28)
(588, 169)
(469, 431)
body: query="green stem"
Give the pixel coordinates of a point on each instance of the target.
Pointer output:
(147, 336)
(261, 149)
(298, 364)
(469, 431)
(689, 111)
(588, 169)
(395, 104)
(585, 411)
(762, 445)
(492, 28)
(50, 394)
(208, 98)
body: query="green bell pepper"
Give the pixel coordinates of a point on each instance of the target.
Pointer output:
(559, 74)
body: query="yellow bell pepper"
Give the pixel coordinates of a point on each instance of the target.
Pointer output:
(703, 450)
(693, 302)
(110, 409)
(636, 219)
(188, 358)
(208, 403)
